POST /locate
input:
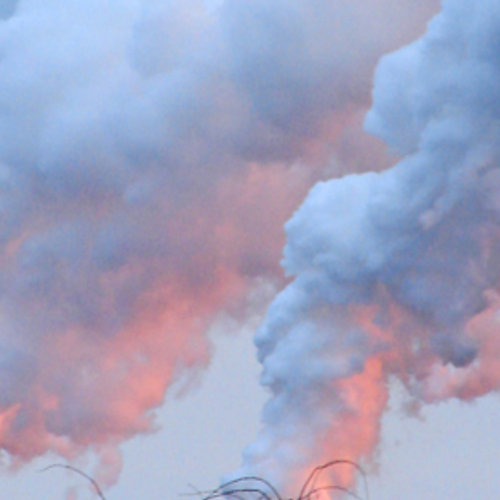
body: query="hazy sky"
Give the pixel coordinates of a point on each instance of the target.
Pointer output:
(163, 165)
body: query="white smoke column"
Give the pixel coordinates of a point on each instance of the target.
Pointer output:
(145, 149)
(395, 273)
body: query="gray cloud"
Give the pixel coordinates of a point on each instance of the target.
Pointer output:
(395, 274)
(146, 151)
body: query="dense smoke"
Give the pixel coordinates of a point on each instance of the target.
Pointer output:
(395, 273)
(147, 148)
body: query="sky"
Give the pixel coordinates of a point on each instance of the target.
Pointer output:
(177, 178)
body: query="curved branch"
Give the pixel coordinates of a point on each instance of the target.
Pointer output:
(78, 471)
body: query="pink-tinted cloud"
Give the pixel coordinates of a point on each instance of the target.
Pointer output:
(150, 153)
(394, 274)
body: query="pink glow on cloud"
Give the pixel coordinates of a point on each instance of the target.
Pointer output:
(392, 274)
(150, 154)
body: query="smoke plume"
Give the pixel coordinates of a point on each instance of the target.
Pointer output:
(147, 148)
(395, 274)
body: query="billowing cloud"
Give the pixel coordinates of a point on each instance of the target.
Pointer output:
(395, 274)
(147, 148)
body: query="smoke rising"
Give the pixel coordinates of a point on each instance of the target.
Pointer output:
(147, 148)
(395, 274)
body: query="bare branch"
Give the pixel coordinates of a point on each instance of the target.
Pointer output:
(81, 473)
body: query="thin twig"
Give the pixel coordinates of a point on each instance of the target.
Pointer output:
(248, 478)
(329, 488)
(236, 491)
(197, 492)
(78, 471)
(313, 476)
